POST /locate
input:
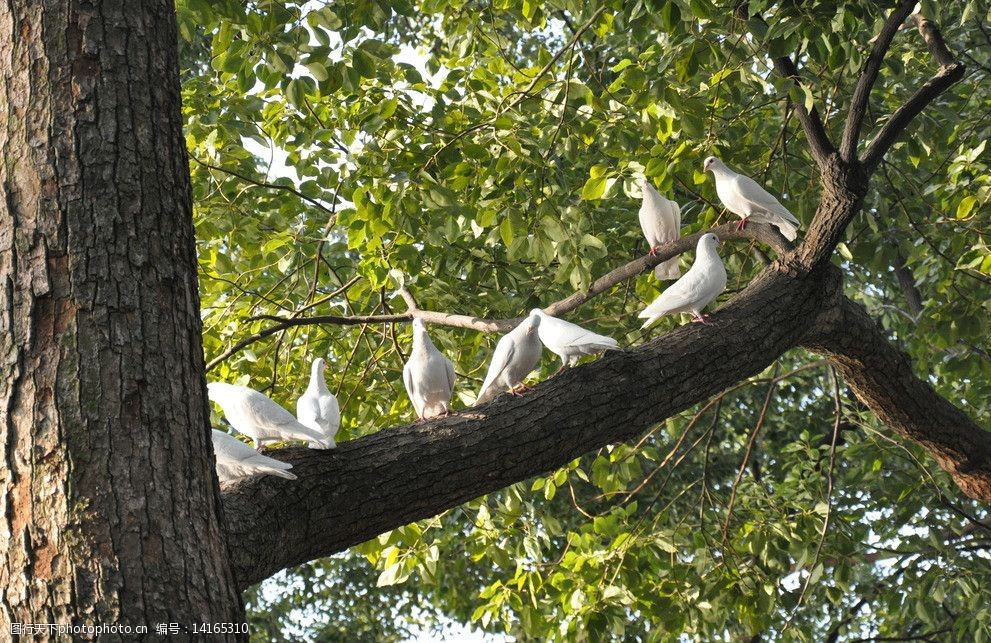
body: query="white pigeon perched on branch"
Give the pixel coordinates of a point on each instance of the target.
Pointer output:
(701, 284)
(236, 460)
(570, 341)
(660, 220)
(746, 199)
(515, 356)
(317, 407)
(428, 376)
(258, 417)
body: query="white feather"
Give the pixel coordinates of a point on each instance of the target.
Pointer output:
(515, 356)
(318, 408)
(746, 199)
(258, 417)
(660, 220)
(570, 341)
(428, 375)
(700, 285)
(236, 460)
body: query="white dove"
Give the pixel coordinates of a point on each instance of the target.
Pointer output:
(660, 220)
(516, 354)
(258, 417)
(745, 198)
(701, 284)
(428, 375)
(570, 341)
(317, 408)
(236, 460)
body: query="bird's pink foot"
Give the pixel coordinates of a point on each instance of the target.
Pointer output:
(741, 224)
(701, 319)
(653, 252)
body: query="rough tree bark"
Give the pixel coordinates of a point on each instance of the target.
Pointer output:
(109, 509)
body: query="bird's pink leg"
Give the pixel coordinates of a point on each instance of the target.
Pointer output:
(742, 223)
(702, 319)
(653, 251)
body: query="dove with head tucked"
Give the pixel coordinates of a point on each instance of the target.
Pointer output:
(317, 407)
(257, 416)
(746, 199)
(660, 220)
(570, 341)
(236, 460)
(515, 356)
(428, 376)
(700, 285)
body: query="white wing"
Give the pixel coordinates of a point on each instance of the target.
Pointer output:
(449, 367)
(236, 459)
(693, 291)
(409, 381)
(660, 220)
(257, 416)
(266, 413)
(505, 350)
(559, 334)
(760, 201)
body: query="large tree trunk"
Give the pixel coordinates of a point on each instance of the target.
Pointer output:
(109, 509)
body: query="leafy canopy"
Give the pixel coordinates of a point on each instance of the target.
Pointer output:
(486, 154)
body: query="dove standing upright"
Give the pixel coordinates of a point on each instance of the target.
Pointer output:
(570, 341)
(428, 375)
(515, 356)
(236, 460)
(317, 408)
(255, 415)
(660, 220)
(701, 284)
(746, 199)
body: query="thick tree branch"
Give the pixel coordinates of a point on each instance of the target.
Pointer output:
(861, 94)
(943, 80)
(950, 71)
(812, 125)
(396, 476)
(882, 377)
(399, 475)
(815, 130)
(756, 231)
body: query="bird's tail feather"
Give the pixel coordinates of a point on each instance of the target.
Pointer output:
(667, 270)
(327, 443)
(788, 230)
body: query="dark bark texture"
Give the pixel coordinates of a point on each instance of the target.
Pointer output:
(109, 512)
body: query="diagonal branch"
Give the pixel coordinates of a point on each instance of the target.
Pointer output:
(396, 476)
(950, 72)
(883, 379)
(858, 104)
(811, 122)
(263, 184)
(728, 231)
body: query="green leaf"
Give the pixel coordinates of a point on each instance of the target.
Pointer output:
(965, 206)
(594, 188)
(363, 63)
